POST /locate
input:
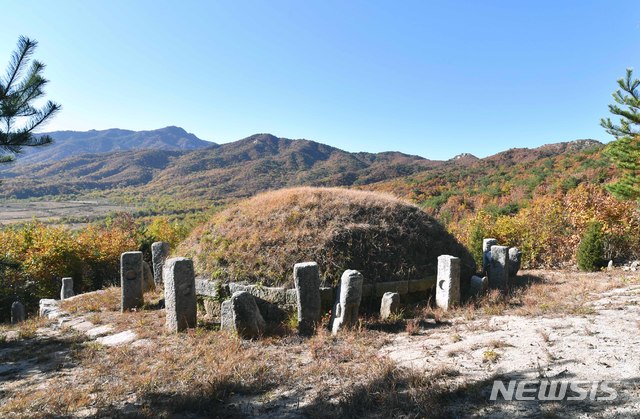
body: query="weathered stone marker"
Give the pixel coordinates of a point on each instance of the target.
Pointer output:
(448, 282)
(515, 261)
(345, 313)
(389, 305)
(499, 268)
(241, 314)
(478, 285)
(131, 280)
(486, 253)
(18, 313)
(159, 253)
(148, 283)
(179, 294)
(306, 277)
(66, 290)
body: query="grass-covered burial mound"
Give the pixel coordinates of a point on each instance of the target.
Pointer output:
(260, 239)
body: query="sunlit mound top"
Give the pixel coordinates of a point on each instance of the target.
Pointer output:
(260, 239)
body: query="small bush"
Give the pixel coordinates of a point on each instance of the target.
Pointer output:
(591, 249)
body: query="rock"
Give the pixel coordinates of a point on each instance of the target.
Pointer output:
(131, 280)
(306, 277)
(381, 288)
(148, 283)
(214, 289)
(241, 314)
(118, 339)
(159, 253)
(49, 308)
(211, 308)
(610, 265)
(179, 294)
(499, 268)
(66, 291)
(226, 315)
(515, 261)
(99, 331)
(448, 282)
(18, 312)
(486, 253)
(478, 285)
(390, 304)
(291, 297)
(345, 313)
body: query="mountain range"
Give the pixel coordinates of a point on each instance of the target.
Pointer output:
(170, 162)
(74, 143)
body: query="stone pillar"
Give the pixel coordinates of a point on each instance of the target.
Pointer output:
(345, 313)
(179, 294)
(159, 253)
(448, 282)
(499, 268)
(515, 261)
(486, 253)
(18, 313)
(306, 277)
(389, 305)
(148, 282)
(242, 315)
(67, 288)
(131, 280)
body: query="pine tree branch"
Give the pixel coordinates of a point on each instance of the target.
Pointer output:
(18, 58)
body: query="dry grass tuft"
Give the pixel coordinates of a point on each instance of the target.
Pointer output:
(103, 300)
(412, 327)
(496, 344)
(490, 356)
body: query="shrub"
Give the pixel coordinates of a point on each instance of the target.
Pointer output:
(34, 257)
(591, 249)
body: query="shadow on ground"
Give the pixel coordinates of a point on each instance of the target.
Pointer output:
(21, 358)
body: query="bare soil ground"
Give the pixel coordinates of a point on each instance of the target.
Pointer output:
(422, 363)
(20, 211)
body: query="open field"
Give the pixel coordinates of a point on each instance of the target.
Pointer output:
(69, 212)
(424, 362)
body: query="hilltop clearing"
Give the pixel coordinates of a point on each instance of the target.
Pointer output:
(558, 326)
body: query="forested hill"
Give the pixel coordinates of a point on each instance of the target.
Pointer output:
(504, 182)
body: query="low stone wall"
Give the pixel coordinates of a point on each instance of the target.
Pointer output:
(274, 302)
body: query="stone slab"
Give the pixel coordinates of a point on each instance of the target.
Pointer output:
(118, 339)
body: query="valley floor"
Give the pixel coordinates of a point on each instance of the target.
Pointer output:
(564, 326)
(73, 213)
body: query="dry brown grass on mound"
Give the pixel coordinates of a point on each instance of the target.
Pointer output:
(260, 239)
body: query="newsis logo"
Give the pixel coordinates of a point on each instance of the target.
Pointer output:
(552, 390)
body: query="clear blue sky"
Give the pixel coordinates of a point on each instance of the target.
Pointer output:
(422, 77)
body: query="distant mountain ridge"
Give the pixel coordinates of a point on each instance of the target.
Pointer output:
(74, 143)
(218, 172)
(265, 162)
